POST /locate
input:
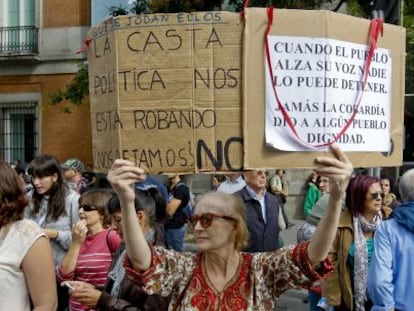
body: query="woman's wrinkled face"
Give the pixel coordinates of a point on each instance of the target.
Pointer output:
(214, 229)
(373, 198)
(45, 183)
(385, 186)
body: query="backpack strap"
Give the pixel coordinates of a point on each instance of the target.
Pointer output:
(107, 242)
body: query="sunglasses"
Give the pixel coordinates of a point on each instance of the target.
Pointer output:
(87, 207)
(377, 195)
(207, 219)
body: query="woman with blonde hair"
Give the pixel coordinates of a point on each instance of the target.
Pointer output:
(220, 276)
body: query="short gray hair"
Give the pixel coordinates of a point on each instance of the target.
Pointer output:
(406, 186)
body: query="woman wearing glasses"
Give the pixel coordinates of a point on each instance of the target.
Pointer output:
(93, 243)
(351, 251)
(119, 293)
(220, 276)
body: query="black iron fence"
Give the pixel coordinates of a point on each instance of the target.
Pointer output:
(19, 40)
(18, 131)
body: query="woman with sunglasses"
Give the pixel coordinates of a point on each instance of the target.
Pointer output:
(93, 243)
(54, 207)
(345, 288)
(26, 263)
(119, 293)
(220, 276)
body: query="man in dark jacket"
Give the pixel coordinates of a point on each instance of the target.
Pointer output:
(262, 211)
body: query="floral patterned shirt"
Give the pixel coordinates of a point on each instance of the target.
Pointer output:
(260, 279)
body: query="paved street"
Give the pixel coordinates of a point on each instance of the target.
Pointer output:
(292, 300)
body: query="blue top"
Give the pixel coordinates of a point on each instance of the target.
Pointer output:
(152, 181)
(351, 253)
(390, 280)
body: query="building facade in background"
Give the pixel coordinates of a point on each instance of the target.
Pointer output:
(38, 40)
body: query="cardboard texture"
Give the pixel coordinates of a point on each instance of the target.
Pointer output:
(321, 24)
(165, 91)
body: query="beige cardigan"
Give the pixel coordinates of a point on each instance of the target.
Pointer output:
(337, 288)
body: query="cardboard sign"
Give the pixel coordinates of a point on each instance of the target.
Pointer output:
(319, 84)
(165, 91)
(345, 33)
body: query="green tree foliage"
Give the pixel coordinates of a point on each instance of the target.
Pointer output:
(166, 6)
(75, 91)
(285, 4)
(408, 22)
(174, 6)
(355, 9)
(118, 10)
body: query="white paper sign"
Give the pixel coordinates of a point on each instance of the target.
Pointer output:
(318, 82)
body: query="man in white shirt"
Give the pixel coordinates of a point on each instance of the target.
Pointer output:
(233, 183)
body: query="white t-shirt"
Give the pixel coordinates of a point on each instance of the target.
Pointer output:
(15, 241)
(231, 186)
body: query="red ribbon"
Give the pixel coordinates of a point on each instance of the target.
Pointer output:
(86, 43)
(375, 28)
(245, 5)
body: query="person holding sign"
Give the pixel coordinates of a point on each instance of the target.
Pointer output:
(229, 278)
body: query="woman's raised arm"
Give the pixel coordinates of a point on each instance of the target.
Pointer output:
(122, 176)
(339, 171)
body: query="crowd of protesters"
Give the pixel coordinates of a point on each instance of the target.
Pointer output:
(67, 244)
